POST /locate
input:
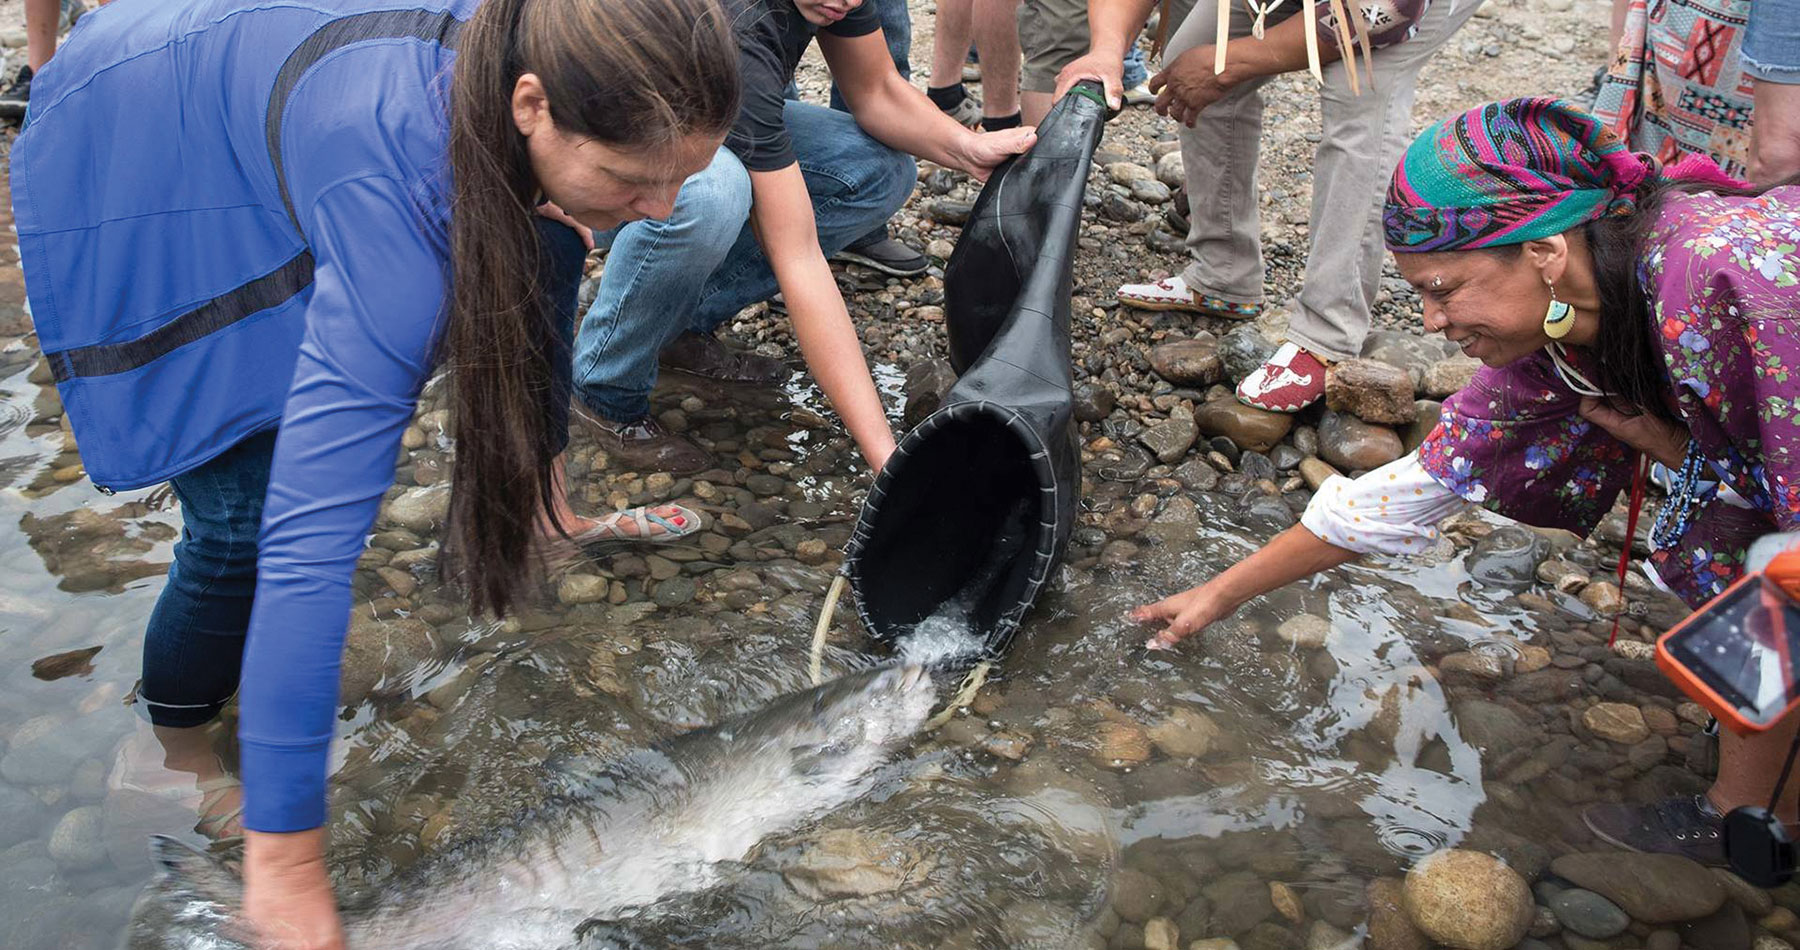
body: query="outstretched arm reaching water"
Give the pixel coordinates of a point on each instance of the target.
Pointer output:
(1294, 554)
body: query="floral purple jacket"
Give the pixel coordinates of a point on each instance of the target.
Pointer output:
(1723, 277)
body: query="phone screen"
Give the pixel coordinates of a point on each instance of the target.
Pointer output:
(1744, 647)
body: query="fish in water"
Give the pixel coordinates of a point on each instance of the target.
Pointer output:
(654, 823)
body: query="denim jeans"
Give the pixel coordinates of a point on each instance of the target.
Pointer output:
(194, 642)
(1771, 50)
(1135, 70)
(699, 266)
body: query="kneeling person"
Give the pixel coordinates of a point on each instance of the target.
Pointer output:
(793, 184)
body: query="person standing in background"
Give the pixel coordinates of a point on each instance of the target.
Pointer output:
(43, 19)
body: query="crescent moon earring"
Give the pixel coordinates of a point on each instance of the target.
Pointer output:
(1559, 318)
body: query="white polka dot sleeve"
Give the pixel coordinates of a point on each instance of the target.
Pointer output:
(1394, 509)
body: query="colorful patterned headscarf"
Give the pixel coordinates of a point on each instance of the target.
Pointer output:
(1509, 172)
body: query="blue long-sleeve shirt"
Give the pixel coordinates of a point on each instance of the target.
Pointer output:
(232, 217)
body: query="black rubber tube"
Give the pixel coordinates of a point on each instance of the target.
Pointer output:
(979, 498)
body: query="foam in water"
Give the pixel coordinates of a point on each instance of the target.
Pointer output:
(949, 633)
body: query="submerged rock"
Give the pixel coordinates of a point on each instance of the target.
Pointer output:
(855, 862)
(1508, 558)
(1469, 900)
(1588, 914)
(1653, 888)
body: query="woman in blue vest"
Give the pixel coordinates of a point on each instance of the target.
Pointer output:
(251, 229)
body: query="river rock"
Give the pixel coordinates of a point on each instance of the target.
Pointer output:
(1589, 914)
(1250, 428)
(1214, 943)
(378, 649)
(419, 509)
(1415, 435)
(1616, 722)
(46, 749)
(1507, 558)
(1469, 900)
(855, 862)
(1449, 375)
(21, 815)
(1124, 173)
(1351, 444)
(1195, 475)
(1316, 472)
(1193, 362)
(582, 589)
(1603, 597)
(1240, 901)
(1370, 390)
(1186, 733)
(1169, 170)
(1754, 900)
(76, 842)
(1120, 745)
(1093, 403)
(1137, 896)
(1304, 631)
(1151, 192)
(926, 383)
(1160, 933)
(1493, 729)
(1171, 438)
(1243, 351)
(1653, 888)
(1389, 926)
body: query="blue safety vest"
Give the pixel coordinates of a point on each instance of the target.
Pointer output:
(232, 216)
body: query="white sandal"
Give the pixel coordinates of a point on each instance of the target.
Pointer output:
(1173, 293)
(679, 523)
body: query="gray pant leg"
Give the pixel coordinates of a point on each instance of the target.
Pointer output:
(1364, 136)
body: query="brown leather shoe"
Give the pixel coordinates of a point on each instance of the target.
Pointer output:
(705, 355)
(643, 445)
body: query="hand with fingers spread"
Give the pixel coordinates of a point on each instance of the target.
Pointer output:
(1187, 86)
(1181, 615)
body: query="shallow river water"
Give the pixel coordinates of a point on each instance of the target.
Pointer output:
(1251, 784)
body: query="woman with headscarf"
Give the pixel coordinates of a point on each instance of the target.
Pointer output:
(1620, 308)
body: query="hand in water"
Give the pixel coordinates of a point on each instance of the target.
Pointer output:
(288, 902)
(1181, 615)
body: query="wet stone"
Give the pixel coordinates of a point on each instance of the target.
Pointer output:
(1195, 475)
(1315, 472)
(1603, 597)
(1616, 722)
(1351, 444)
(1507, 558)
(1120, 745)
(1243, 351)
(21, 816)
(1248, 427)
(949, 211)
(1588, 914)
(1188, 362)
(1468, 900)
(1137, 896)
(76, 842)
(1240, 901)
(1170, 439)
(1160, 933)
(1304, 631)
(926, 383)
(1092, 403)
(1389, 926)
(853, 862)
(1185, 733)
(1151, 192)
(1653, 888)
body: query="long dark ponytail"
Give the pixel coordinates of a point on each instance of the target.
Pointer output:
(628, 73)
(1630, 357)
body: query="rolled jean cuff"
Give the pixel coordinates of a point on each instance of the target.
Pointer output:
(1786, 74)
(177, 715)
(629, 409)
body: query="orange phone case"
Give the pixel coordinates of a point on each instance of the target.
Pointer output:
(1695, 687)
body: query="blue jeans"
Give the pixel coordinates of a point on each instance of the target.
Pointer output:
(1771, 50)
(1135, 70)
(699, 266)
(194, 642)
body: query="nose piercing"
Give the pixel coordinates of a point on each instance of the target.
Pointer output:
(1437, 282)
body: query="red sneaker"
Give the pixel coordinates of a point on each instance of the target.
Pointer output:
(1290, 381)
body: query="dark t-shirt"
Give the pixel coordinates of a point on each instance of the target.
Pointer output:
(772, 36)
